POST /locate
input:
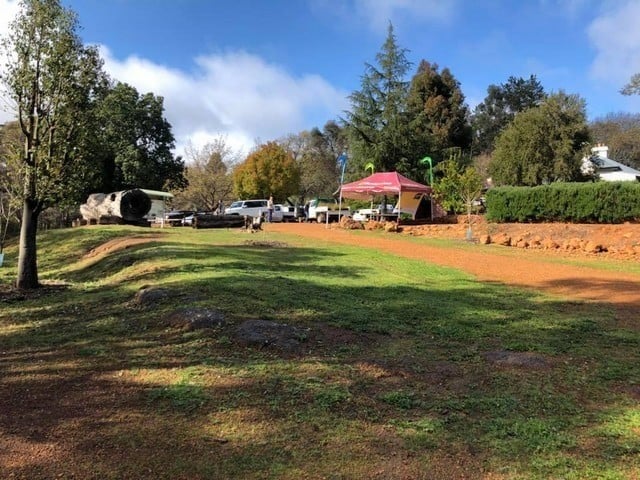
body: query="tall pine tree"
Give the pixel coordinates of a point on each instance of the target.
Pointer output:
(377, 123)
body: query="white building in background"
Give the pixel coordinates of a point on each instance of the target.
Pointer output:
(607, 169)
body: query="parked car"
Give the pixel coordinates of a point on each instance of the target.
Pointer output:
(175, 217)
(250, 208)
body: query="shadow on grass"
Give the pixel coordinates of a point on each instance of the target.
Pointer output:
(138, 399)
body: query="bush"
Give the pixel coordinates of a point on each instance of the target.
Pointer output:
(599, 202)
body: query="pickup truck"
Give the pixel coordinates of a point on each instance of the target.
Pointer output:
(325, 210)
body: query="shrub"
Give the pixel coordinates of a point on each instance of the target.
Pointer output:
(599, 202)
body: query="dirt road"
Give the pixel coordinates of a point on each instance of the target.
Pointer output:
(536, 269)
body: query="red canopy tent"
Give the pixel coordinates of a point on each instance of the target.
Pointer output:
(383, 183)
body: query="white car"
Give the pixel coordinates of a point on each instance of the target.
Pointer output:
(249, 208)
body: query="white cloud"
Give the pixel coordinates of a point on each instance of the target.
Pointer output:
(234, 94)
(616, 38)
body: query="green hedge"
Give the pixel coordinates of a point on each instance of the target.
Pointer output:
(599, 202)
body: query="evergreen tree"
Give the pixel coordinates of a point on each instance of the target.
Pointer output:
(500, 107)
(377, 124)
(543, 144)
(438, 117)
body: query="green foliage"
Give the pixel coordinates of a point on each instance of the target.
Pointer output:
(500, 107)
(394, 123)
(401, 399)
(52, 79)
(543, 144)
(438, 116)
(602, 202)
(633, 87)
(457, 187)
(134, 142)
(376, 125)
(270, 170)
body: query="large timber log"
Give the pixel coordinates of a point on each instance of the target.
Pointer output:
(218, 221)
(129, 205)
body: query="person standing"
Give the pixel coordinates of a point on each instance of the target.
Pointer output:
(270, 208)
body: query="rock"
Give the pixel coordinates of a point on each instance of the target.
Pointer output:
(150, 295)
(485, 239)
(350, 224)
(536, 242)
(550, 244)
(502, 239)
(196, 318)
(522, 243)
(267, 334)
(592, 247)
(390, 227)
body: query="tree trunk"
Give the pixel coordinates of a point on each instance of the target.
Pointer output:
(27, 258)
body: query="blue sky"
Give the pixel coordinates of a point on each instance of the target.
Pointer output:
(257, 70)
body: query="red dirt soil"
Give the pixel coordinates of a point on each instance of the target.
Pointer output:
(540, 269)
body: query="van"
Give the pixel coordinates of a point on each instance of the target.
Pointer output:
(250, 208)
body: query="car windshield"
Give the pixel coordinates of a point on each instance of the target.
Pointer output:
(236, 205)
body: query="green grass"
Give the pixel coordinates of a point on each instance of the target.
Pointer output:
(399, 388)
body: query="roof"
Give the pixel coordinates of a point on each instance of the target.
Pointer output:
(383, 183)
(611, 170)
(157, 193)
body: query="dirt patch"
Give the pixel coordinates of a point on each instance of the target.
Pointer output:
(118, 244)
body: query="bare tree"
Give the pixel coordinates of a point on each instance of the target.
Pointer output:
(208, 173)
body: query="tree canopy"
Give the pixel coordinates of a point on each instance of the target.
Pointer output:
(500, 107)
(52, 78)
(134, 142)
(376, 123)
(633, 87)
(269, 170)
(437, 116)
(543, 144)
(316, 153)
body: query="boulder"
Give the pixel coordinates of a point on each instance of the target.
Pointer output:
(502, 239)
(485, 239)
(150, 295)
(593, 247)
(196, 318)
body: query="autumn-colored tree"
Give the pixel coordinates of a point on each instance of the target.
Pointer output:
(269, 170)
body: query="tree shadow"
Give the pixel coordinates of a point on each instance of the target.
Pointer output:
(403, 366)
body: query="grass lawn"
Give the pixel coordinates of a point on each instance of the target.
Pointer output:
(406, 380)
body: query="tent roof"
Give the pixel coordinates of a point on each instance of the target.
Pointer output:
(383, 183)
